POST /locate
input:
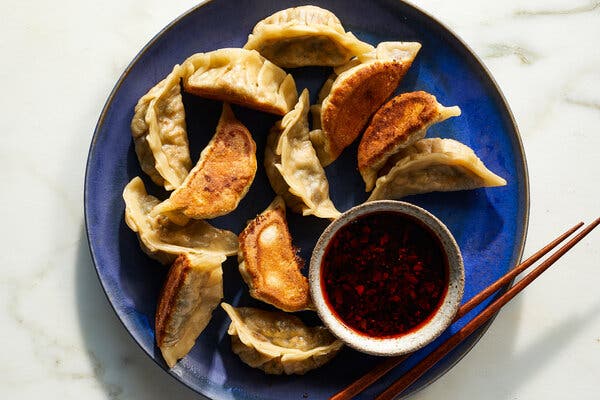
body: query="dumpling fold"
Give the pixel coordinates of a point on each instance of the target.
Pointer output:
(269, 263)
(293, 167)
(241, 77)
(356, 90)
(400, 122)
(163, 240)
(220, 179)
(193, 289)
(433, 165)
(303, 36)
(159, 132)
(279, 343)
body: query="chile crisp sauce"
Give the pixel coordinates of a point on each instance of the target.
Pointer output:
(384, 274)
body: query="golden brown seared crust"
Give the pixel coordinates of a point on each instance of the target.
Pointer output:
(269, 263)
(399, 123)
(223, 175)
(175, 280)
(352, 103)
(393, 124)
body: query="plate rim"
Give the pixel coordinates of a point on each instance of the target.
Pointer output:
(519, 142)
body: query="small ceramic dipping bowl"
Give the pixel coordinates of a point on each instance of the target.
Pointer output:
(387, 277)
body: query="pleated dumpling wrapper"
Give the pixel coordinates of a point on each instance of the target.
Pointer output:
(269, 263)
(159, 132)
(242, 77)
(356, 90)
(303, 36)
(163, 240)
(293, 167)
(193, 289)
(433, 165)
(397, 124)
(220, 179)
(279, 343)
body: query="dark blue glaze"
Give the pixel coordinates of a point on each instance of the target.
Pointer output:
(489, 224)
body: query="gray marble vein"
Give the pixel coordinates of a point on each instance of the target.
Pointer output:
(584, 8)
(113, 390)
(497, 50)
(583, 103)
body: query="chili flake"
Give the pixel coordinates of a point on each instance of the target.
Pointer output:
(384, 274)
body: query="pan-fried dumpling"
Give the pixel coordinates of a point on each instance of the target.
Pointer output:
(398, 124)
(277, 342)
(433, 165)
(193, 289)
(303, 36)
(163, 240)
(159, 132)
(220, 179)
(293, 167)
(354, 93)
(269, 263)
(242, 77)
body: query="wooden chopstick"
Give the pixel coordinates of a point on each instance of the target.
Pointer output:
(388, 364)
(424, 365)
(512, 274)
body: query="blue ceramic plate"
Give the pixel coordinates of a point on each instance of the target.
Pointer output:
(489, 224)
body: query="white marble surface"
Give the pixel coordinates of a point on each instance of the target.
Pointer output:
(60, 59)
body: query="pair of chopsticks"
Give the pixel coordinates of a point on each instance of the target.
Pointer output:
(424, 365)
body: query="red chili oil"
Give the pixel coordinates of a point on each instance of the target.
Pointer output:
(384, 274)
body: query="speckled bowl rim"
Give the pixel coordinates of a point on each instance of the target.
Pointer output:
(469, 343)
(425, 334)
